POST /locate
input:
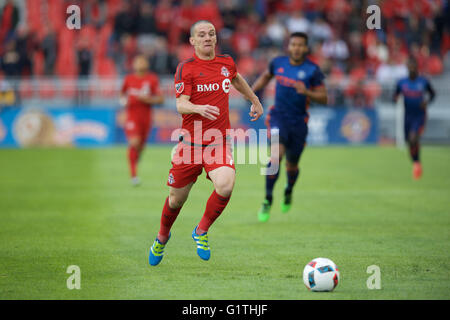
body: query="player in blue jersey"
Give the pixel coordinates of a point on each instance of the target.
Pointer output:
(414, 88)
(298, 81)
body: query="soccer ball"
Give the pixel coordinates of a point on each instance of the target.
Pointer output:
(321, 274)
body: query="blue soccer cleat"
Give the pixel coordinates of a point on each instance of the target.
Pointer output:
(157, 252)
(202, 244)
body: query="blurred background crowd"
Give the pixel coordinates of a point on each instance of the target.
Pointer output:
(34, 39)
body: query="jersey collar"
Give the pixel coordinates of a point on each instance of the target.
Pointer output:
(197, 58)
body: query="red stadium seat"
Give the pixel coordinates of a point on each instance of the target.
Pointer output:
(434, 65)
(33, 19)
(445, 43)
(66, 63)
(184, 52)
(105, 68)
(57, 13)
(246, 65)
(38, 63)
(103, 38)
(372, 89)
(358, 73)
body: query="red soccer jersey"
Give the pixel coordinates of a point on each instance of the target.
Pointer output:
(133, 86)
(206, 82)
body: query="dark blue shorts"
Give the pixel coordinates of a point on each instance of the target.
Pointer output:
(291, 135)
(414, 124)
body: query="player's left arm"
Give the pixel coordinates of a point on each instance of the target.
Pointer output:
(239, 83)
(432, 95)
(317, 94)
(317, 91)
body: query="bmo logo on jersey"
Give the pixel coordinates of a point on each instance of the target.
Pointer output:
(207, 87)
(214, 86)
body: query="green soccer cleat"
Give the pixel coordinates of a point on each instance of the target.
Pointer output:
(264, 212)
(286, 203)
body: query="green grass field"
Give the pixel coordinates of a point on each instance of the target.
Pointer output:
(358, 206)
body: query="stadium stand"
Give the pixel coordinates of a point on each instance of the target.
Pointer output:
(35, 42)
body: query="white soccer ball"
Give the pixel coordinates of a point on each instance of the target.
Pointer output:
(321, 274)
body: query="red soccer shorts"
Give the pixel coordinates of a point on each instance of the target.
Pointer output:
(188, 162)
(137, 127)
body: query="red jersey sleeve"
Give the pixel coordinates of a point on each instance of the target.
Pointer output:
(183, 80)
(124, 85)
(233, 68)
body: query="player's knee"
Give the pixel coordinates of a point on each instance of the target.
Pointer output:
(176, 200)
(135, 142)
(224, 187)
(413, 138)
(291, 165)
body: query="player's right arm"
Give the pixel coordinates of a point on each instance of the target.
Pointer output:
(265, 78)
(262, 81)
(185, 106)
(183, 89)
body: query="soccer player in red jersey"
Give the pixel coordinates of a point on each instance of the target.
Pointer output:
(139, 92)
(202, 86)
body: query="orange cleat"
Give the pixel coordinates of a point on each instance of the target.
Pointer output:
(417, 170)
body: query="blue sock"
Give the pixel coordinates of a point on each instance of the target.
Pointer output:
(270, 183)
(292, 176)
(414, 151)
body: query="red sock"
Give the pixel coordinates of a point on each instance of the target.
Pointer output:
(214, 208)
(133, 156)
(168, 217)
